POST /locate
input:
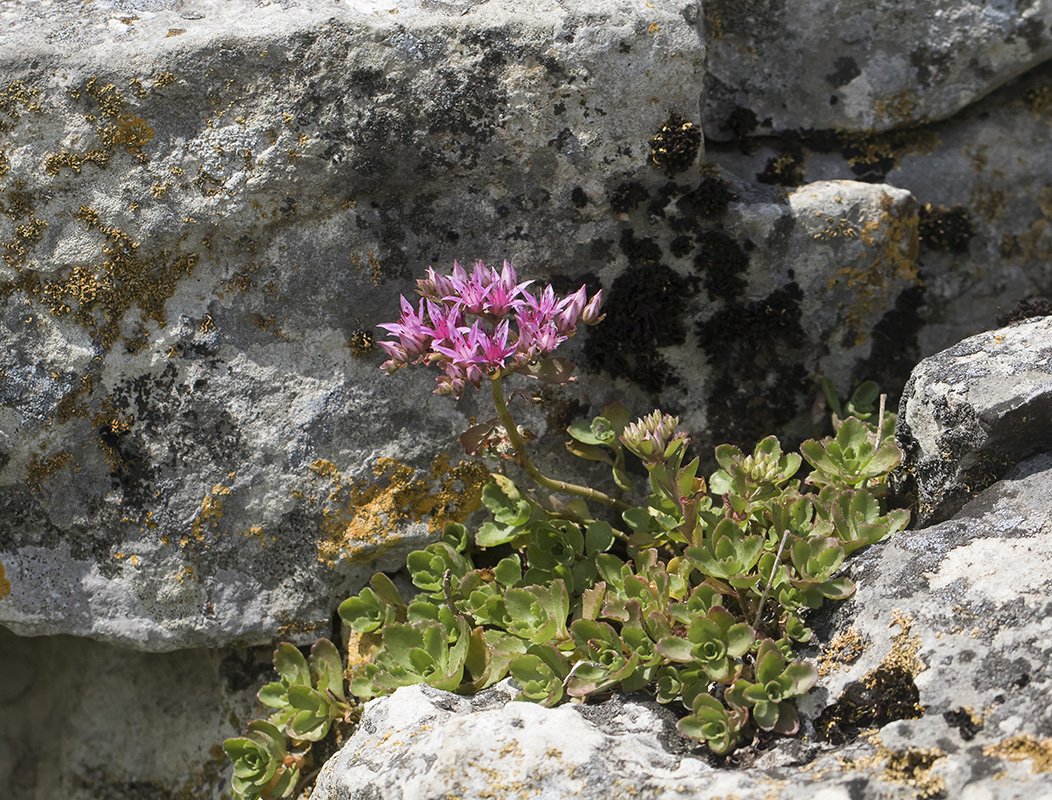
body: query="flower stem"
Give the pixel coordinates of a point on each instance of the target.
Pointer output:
(542, 480)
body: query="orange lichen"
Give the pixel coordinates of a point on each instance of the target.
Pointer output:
(363, 516)
(40, 469)
(210, 514)
(5, 584)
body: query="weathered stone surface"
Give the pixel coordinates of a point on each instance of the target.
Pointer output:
(970, 413)
(944, 649)
(201, 206)
(202, 211)
(84, 720)
(981, 180)
(777, 65)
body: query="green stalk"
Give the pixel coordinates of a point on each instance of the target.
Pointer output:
(542, 480)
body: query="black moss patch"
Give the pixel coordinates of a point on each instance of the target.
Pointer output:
(639, 251)
(627, 197)
(963, 722)
(578, 198)
(644, 309)
(723, 264)
(1025, 309)
(949, 229)
(681, 246)
(708, 201)
(759, 382)
(785, 169)
(676, 145)
(885, 695)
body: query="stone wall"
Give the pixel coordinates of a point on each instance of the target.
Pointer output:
(206, 204)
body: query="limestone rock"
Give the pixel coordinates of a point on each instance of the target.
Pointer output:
(778, 65)
(981, 181)
(206, 207)
(206, 210)
(970, 413)
(85, 720)
(943, 650)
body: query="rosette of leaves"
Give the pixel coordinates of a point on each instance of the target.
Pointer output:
(749, 481)
(714, 642)
(308, 696)
(262, 765)
(851, 458)
(774, 684)
(599, 440)
(712, 722)
(425, 651)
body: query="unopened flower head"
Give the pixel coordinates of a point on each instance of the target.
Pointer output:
(648, 437)
(486, 323)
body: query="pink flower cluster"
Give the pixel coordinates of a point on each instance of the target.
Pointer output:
(475, 326)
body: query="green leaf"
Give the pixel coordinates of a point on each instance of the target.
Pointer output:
(291, 665)
(598, 538)
(676, 649)
(327, 668)
(508, 571)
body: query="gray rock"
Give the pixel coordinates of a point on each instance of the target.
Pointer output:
(204, 206)
(778, 65)
(943, 650)
(84, 720)
(972, 412)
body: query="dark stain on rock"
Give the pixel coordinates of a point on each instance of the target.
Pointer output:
(962, 720)
(676, 145)
(895, 347)
(885, 695)
(786, 168)
(723, 263)
(578, 198)
(759, 383)
(644, 309)
(845, 70)
(948, 229)
(627, 196)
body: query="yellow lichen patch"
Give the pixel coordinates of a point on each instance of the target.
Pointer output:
(904, 646)
(14, 97)
(362, 516)
(123, 279)
(864, 148)
(898, 107)
(326, 469)
(1022, 747)
(40, 469)
(892, 243)
(373, 272)
(210, 514)
(909, 767)
(5, 165)
(5, 584)
(844, 648)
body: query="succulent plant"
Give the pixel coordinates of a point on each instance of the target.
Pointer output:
(262, 765)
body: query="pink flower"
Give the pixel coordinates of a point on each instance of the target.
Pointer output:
(411, 329)
(482, 325)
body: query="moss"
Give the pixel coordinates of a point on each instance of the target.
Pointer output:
(948, 229)
(723, 263)
(1025, 309)
(787, 168)
(644, 309)
(886, 694)
(627, 196)
(675, 146)
(753, 348)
